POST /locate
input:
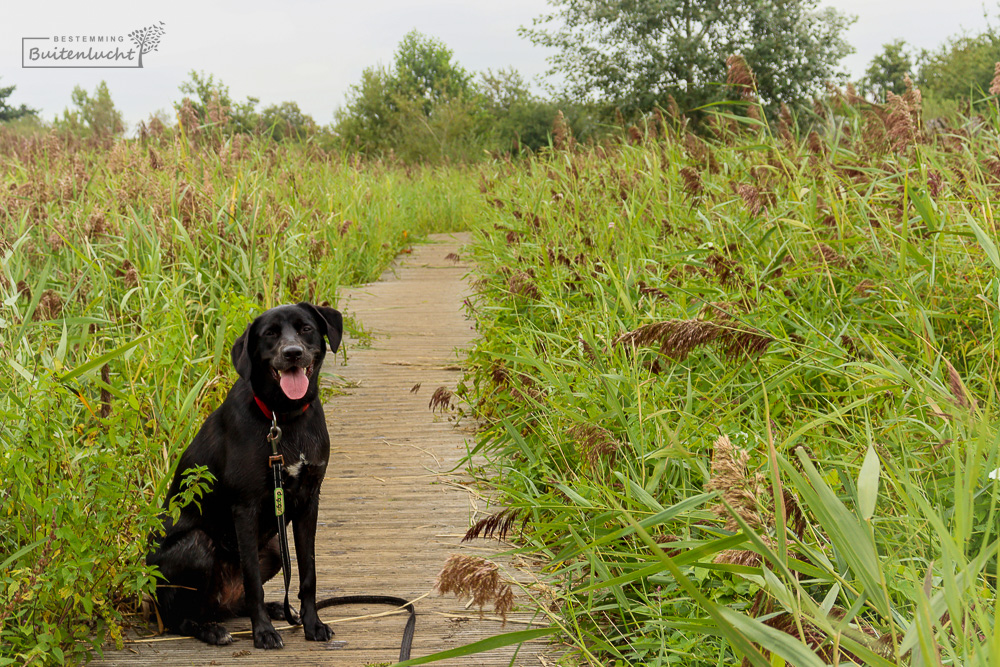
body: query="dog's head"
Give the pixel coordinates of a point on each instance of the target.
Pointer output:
(281, 352)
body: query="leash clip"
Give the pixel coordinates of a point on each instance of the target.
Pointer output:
(274, 436)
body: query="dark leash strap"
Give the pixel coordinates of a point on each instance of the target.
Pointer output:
(411, 622)
(276, 461)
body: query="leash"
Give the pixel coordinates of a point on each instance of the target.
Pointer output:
(411, 622)
(277, 461)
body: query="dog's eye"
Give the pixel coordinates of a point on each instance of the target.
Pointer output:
(307, 328)
(270, 333)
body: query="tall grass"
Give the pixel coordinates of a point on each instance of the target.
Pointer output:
(743, 387)
(126, 271)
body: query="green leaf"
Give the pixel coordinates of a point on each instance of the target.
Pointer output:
(851, 538)
(868, 479)
(488, 644)
(924, 206)
(104, 358)
(989, 247)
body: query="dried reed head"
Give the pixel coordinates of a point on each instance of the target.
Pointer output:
(935, 184)
(218, 113)
(49, 307)
(914, 98)
(741, 77)
(677, 338)
(657, 294)
(692, 181)
(899, 123)
(673, 110)
(746, 494)
(96, 226)
(995, 84)
(497, 525)
(865, 288)
(23, 289)
(523, 284)
(499, 374)
(816, 143)
(786, 125)
(187, 118)
(594, 443)
(830, 256)
(440, 399)
(154, 159)
(562, 135)
(727, 271)
(852, 95)
(958, 389)
(478, 579)
(745, 343)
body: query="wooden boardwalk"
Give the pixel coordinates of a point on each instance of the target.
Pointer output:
(392, 508)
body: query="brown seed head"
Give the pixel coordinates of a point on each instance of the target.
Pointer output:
(740, 76)
(594, 443)
(476, 578)
(751, 197)
(692, 181)
(995, 84)
(440, 399)
(49, 307)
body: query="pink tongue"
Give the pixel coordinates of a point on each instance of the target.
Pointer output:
(294, 383)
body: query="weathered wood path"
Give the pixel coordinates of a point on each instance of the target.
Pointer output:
(392, 508)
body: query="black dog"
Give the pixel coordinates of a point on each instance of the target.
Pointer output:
(216, 558)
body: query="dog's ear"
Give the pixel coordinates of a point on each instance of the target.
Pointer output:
(240, 355)
(330, 321)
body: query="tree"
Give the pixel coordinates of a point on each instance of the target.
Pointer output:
(424, 69)
(365, 123)
(518, 119)
(286, 121)
(208, 92)
(7, 112)
(887, 71)
(422, 107)
(633, 54)
(147, 39)
(94, 115)
(962, 67)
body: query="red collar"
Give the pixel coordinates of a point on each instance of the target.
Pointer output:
(270, 415)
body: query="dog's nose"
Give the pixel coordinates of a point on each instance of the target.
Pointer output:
(292, 353)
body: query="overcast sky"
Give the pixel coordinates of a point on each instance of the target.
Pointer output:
(311, 51)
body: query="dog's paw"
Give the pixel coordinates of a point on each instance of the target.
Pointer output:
(267, 638)
(215, 634)
(276, 612)
(318, 631)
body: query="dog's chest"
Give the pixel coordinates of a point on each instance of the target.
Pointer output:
(302, 475)
(303, 468)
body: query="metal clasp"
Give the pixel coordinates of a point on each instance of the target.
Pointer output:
(274, 435)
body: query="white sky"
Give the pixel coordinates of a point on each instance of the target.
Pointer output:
(311, 51)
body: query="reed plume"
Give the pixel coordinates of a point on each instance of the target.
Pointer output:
(477, 579)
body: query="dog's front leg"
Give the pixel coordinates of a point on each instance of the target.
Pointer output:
(304, 529)
(245, 520)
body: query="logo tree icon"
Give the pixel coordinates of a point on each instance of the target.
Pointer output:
(147, 39)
